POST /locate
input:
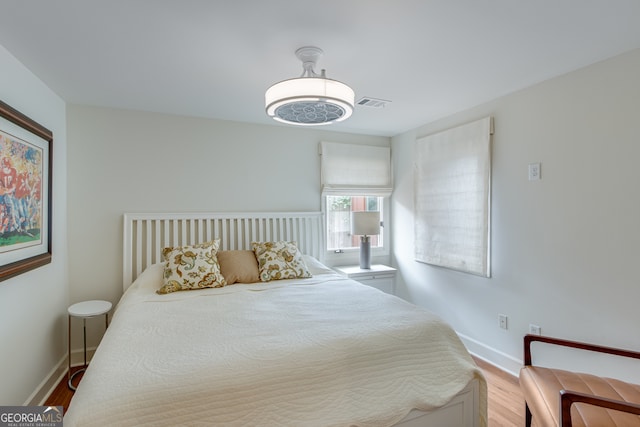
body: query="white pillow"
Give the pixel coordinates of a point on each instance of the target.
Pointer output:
(150, 278)
(315, 266)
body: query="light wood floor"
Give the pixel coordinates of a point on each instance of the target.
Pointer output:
(506, 405)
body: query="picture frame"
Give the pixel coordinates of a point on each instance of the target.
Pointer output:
(26, 181)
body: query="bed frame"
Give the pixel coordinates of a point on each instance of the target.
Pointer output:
(145, 234)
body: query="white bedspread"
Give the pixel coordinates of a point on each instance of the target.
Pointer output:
(324, 351)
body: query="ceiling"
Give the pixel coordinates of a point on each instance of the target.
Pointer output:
(215, 59)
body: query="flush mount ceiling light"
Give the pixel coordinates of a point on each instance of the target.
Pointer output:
(311, 99)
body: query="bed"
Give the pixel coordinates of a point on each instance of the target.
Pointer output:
(322, 350)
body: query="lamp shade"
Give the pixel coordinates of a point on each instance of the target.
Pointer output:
(309, 101)
(365, 223)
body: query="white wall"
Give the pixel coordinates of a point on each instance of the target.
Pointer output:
(127, 161)
(33, 305)
(565, 249)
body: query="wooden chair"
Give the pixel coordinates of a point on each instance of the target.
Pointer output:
(550, 393)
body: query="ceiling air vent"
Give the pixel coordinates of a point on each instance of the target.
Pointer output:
(372, 102)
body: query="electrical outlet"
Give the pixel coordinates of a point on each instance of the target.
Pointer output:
(502, 318)
(534, 329)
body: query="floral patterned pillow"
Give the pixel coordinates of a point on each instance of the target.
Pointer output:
(279, 260)
(191, 267)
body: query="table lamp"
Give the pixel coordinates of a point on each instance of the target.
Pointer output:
(365, 224)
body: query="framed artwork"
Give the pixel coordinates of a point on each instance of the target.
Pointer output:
(25, 193)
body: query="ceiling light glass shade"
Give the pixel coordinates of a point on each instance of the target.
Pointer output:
(309, 101)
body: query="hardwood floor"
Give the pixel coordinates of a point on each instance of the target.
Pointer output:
(506, 405)
(61, 395)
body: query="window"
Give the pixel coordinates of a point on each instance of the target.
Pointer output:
(338, 211)
(354, 178)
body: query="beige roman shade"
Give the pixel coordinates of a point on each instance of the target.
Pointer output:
(452, 198)
(348, 169)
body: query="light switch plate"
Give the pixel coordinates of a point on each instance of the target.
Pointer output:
(534, 172)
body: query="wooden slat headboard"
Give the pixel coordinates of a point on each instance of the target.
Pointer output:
(146, 234)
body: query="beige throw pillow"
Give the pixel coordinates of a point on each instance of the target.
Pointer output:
(238, 266)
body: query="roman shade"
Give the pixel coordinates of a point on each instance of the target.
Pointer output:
(452, 194)
(348, 169)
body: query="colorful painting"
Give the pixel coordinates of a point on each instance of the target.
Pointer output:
(25, 193)
(20, 193)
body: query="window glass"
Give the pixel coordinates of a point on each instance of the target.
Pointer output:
(339, 210)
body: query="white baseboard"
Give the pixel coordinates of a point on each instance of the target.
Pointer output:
(501, 360)
(77, 356)
(51, 381)
(47, 385)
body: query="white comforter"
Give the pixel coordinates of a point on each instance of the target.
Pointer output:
(324, 351)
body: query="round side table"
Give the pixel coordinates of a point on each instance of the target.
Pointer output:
(85, 310)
